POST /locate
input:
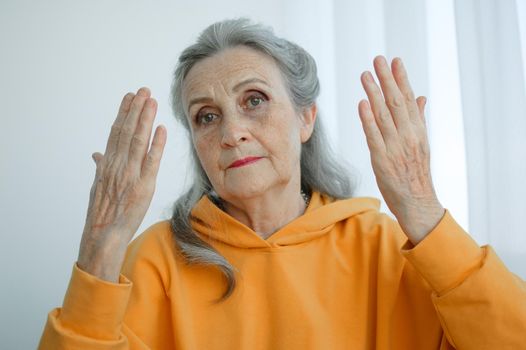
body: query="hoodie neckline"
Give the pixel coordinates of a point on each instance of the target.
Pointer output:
(322, 213)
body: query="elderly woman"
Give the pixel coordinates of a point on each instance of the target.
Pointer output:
(268, 249)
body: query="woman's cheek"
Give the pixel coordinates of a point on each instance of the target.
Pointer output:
(206, 153)
(206, 140)
(259, 114)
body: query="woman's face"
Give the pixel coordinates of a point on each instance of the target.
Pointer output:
(244, 127)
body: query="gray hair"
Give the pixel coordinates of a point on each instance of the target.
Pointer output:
(320, 170)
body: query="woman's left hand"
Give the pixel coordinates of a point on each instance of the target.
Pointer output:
(396, 135)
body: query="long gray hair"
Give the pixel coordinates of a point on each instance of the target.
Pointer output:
(319, 169)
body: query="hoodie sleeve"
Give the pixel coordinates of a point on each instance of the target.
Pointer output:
(479, 302)
(91, 316)
(131, 314)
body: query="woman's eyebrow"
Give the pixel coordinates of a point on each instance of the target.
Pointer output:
(198, 100)
(248, 81)
(234, 89)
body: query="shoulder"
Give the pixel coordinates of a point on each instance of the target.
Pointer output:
(379, 237)
(151, 252)
(356, 217)
(367, 221)
(155, 237)
(373, 235)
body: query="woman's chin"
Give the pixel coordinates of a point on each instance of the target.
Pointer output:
(247, 183)
(243, 190)
(250, 183)
(244, 193)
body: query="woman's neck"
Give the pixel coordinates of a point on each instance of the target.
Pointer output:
(267, 213)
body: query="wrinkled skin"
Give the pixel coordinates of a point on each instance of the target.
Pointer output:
(123, 187)
(394, 125)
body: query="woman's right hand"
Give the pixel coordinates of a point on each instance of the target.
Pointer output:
(123, 187)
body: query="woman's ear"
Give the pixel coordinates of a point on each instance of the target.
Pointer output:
(308, 117)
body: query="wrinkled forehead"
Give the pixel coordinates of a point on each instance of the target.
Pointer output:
(224, 70)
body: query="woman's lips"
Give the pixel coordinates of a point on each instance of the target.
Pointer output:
(244, 161)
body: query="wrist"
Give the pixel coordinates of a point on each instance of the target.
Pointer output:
(105, 265)
(418, 222)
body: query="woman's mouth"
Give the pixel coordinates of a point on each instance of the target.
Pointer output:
(244, 161)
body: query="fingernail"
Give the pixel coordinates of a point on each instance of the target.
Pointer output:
(143, 91)
(380, 60)
(368, 77)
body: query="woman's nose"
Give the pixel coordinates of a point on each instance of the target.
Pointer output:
(234, 131)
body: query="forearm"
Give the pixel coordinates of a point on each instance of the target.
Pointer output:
(480, 303)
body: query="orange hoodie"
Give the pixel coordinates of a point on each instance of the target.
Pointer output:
(341, 276)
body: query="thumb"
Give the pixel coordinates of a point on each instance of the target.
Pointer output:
(96, 157)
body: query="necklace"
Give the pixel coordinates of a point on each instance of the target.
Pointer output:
(219, 202)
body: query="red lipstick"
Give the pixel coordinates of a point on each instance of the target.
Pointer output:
(244, 161)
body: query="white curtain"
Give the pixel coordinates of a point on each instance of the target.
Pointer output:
(422, 33)
(465, 56)
(494, 106)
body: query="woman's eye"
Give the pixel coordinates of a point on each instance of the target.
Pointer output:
(255, 101)
(206, 118)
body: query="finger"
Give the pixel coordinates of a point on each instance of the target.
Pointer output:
(402, 79)
(130, 123)
(113, 139)
(421, 103)
(381, 112)
(152, 161)
(392, 96)
(372, 133)
(141, 139)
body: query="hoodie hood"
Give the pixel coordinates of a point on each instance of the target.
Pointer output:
(323, 212)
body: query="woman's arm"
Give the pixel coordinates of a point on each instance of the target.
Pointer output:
(480, 303)
(97, 297)
(132, 314)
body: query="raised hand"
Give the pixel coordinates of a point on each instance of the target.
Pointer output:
(123, 187)
(396, 135)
